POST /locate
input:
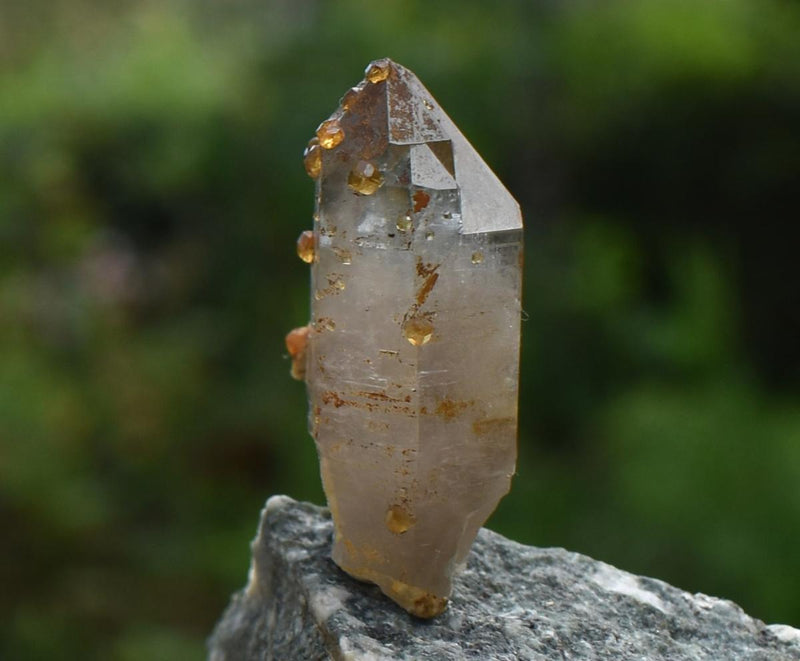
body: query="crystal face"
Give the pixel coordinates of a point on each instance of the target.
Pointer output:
(411, 359)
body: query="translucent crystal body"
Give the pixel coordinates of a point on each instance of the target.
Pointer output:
(412, 358)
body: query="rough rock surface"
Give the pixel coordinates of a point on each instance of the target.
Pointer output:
(511, 602)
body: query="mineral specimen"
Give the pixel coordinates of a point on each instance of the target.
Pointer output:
(412, 355)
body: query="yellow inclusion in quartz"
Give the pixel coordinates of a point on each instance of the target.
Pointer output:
(306, 246)
(418, 330)
(399, 519)
(312, 158)
(345, 256)
(365, 178)
(405, 223)
(330, 134)
(377, 71)
(349, 98)
(477, 258)
(296, 343)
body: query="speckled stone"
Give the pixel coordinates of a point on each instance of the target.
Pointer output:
(511, 602)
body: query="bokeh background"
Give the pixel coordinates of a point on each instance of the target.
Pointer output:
(151, 190)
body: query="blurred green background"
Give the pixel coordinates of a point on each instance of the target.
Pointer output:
(151, 189)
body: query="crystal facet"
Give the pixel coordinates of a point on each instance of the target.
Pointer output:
(412, 356)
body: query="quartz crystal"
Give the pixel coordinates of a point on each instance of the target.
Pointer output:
(411, 357)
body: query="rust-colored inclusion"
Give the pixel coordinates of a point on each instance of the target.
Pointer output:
(418, 330)
(365, 178)
(399, 519)
(330, 134)
(306, 246)
(378, 71)
(312, 158)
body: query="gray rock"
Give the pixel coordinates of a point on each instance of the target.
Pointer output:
(511, 602)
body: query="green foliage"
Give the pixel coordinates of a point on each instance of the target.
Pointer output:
(150, 193)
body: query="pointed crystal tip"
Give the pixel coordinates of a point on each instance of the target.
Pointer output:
(391, 107)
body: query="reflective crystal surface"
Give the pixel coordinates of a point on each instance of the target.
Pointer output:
(413, 350)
